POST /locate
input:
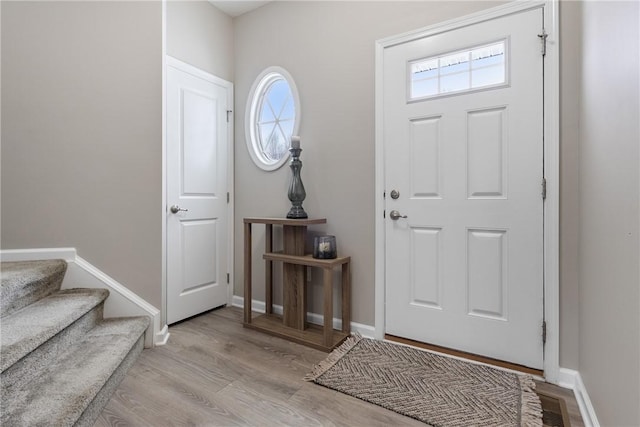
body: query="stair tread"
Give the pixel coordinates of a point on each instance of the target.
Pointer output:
(24, 282)
(24, 330)
(70, 383)
(17, 273)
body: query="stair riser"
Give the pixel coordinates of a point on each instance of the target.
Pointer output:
(20, 293)
(29, 366)
(91, 414)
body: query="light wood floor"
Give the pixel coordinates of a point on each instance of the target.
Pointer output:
(215, 372)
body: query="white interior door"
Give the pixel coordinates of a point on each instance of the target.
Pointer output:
(463, 148)
(197, 223)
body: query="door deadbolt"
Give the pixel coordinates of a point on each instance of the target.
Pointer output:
(394, 194)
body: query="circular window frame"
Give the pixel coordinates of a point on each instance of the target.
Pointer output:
(259, 88)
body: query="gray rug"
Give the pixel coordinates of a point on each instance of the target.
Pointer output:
(438, 390)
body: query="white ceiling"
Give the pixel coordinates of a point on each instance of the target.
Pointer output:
(237, 7)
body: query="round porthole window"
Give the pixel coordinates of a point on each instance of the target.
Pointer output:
(272, 117)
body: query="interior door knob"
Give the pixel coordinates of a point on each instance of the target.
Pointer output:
(395, 215)
(176, 209)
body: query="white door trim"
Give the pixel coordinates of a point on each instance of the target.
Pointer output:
(163, 206)
(551, 166)
(187, 68)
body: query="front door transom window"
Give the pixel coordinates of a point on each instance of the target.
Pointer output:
(466, 70)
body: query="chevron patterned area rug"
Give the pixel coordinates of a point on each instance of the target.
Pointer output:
(438, 390)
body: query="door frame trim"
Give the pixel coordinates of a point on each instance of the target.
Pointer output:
(551, 164)
(169, 61)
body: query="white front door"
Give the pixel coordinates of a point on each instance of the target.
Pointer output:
(197, 223)
(463, 150)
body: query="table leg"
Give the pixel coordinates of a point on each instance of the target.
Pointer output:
(247, 272)
(328, 306)
(268, 268)
(346, 297)
(294, 296)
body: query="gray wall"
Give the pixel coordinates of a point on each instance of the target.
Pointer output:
(328, 47)
(608, 216)
(570, 71)
(201, 35)
(81, 134)
(599, 282)
(82, 123)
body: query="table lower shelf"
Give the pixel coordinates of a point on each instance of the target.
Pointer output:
(312, 336)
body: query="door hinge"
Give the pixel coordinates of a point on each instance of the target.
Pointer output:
(228, 197)
(543, 41)
(544, 188)
(228, 112)
(228, 277)
(544, 332)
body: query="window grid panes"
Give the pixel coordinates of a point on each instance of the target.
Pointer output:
(275, 120)
(461, 71)
(271, 118)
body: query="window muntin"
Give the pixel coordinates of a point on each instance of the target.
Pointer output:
(275, 119)
(461, 71)
(273, 113)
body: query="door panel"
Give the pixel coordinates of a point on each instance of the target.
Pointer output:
(198, 244)
(464, 269)
(426, 146)
(426, 277)
(486, 273)
(197, 184)
(199, 129)
(486, 157)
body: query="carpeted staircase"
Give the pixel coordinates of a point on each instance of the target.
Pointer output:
(60, 360)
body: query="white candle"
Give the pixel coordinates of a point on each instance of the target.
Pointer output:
(295, 142)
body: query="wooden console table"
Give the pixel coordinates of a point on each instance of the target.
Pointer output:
(293, 325)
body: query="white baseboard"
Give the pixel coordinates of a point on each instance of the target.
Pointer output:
(81, 274)
(568, 378)
(161, 337)
(315, 318)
